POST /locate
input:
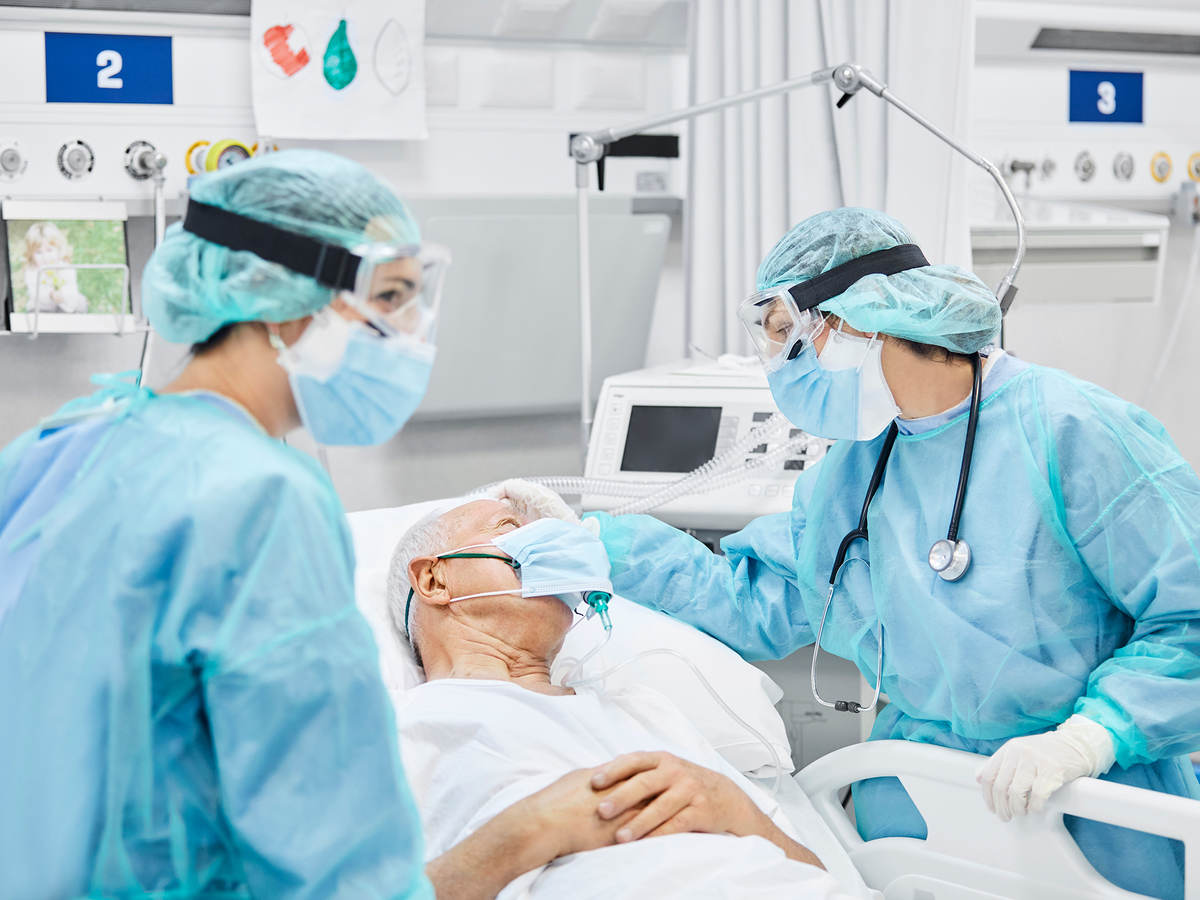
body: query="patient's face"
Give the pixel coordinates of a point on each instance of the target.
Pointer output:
(473, 524)
(527, 620)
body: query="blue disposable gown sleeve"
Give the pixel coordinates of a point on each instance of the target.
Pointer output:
(1132, 506)
(747, 599)
(302, 728)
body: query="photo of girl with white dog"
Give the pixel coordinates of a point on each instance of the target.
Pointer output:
(42, 256)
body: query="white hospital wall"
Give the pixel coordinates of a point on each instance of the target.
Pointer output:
(1019, 104)
(499, 115)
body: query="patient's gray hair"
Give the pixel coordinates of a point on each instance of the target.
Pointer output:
(429, 537)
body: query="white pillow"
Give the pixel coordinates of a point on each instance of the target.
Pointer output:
(376, 533)
(748, 691)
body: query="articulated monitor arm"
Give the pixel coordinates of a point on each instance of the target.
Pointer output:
(590, 147)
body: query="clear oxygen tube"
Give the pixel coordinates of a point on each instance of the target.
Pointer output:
(728, 468)
(1189, 285)
(571, 682)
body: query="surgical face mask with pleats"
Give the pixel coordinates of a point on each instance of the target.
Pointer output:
(352, 385)
(840, 394)
(553, 558)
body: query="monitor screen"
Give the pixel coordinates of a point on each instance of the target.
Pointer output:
(67, 263)
(670, 438)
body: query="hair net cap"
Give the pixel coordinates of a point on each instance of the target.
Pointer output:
(191, 287)
(942, 305)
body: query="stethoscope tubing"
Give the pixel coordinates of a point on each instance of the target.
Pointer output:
(860, 533)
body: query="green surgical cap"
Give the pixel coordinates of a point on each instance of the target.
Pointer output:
(942, 305)
(191, 287)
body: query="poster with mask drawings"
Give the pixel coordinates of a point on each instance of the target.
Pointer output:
(329, 70)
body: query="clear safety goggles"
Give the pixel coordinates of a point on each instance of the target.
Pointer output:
(784, 319)
(398, 289)
(395, 288)
(778, 328)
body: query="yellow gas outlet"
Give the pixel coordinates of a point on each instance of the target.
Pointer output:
(194, 158)
(1194, 167)
(225, 153)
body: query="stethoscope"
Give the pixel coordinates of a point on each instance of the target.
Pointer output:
(949, 558)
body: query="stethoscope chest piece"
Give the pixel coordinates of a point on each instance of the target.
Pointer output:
(950, 559)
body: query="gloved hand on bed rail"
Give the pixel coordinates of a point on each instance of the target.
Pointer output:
(1025, 771)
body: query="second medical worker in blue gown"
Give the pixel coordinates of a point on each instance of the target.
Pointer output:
(190, 701)
(1071, 644)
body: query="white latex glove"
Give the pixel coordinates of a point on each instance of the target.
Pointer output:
(1025, 771)
(534, 501)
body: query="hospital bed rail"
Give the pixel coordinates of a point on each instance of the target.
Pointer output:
(969, 853)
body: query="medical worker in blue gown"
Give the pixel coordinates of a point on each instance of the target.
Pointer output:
(1069, 645)
(190, 702)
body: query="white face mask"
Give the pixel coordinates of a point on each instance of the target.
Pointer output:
(876, 405)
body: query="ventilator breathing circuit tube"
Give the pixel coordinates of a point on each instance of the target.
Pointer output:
(718, 472)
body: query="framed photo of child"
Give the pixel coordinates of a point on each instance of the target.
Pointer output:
(68, 266)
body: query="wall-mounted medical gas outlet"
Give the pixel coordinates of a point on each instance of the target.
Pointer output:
(208, 156)
(1085, 166)
(1160, 166)
(142, 160)
(1123, 166)
(75, 160)
(12, 162)
(1193, 167)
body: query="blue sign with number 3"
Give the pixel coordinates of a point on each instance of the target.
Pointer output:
(1105, 96)
(108, 68)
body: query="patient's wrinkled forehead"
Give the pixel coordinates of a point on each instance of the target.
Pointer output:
(481, 520)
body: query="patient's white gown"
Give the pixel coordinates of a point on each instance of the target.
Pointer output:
(472, 748)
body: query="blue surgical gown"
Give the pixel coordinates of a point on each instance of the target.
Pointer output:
(1083, 595)
(191, 702)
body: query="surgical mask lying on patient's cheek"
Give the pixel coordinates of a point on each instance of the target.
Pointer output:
(552, 558)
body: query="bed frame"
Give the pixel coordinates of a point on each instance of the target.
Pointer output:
(969, 853)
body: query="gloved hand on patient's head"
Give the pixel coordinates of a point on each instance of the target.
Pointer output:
(1025, 771)
(533, 501)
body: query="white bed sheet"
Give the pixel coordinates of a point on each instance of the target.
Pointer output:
(472, 748)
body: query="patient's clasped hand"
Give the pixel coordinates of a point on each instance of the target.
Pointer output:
(591, 775)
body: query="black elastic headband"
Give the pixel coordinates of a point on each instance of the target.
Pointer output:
(333, 266)
(839, 279)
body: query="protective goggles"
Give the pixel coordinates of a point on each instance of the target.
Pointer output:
(782, 320)
(396, 288)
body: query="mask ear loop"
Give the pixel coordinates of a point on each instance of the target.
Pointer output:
(875, 338)
(463, 553)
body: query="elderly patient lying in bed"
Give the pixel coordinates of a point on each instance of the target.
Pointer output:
(657, 810)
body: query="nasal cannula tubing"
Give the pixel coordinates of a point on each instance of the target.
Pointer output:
(666, 651)
(579, 664)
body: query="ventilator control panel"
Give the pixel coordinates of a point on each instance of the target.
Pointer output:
(658, 425)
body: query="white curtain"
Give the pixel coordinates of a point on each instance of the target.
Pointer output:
(757, 169)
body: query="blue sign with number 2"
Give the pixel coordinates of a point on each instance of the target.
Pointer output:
(1105, 96)
(108, 68)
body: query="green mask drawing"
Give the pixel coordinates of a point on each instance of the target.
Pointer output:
(340, 64)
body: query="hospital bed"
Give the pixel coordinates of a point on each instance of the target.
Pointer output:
(969, 853)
